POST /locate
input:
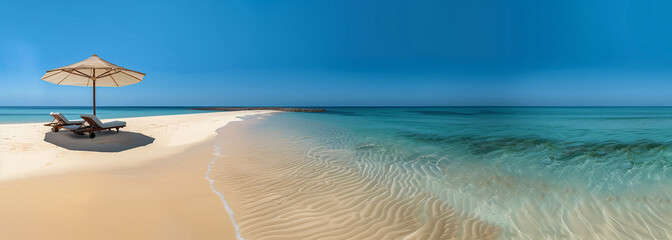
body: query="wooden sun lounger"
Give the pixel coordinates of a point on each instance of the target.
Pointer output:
(93, 124)
(60, 121)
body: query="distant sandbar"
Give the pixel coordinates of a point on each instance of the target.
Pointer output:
(284, 109)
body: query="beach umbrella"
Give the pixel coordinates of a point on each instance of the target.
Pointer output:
(93, 72)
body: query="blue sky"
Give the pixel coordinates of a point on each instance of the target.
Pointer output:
(343, 53)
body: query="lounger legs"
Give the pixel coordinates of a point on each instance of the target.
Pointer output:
(54, 129)
(117, 130)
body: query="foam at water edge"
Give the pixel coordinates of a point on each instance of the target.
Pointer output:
(221, 196)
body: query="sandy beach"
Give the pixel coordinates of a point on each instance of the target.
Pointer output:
(152, 181)
(146, 182)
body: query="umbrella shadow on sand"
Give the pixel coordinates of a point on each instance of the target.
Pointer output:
(105, 141)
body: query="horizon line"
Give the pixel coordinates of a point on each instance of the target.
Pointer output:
(343, 106)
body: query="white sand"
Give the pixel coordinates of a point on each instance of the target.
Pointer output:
(146, 182)
(30, 149)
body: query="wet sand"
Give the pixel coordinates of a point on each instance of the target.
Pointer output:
(279, 191)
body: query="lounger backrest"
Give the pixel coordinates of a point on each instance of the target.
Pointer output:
(58, 116)
(92, 119)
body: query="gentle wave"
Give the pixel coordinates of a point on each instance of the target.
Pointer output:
(221, 196)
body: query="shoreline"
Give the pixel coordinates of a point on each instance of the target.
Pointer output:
(171, 198)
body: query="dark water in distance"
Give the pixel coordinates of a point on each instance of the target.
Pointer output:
(41, 113)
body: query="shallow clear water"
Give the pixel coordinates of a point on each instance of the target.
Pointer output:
(604, 148)
(41, 114)
(533, 172)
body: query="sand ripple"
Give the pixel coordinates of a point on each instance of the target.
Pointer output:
(289, 193)
(320, 183)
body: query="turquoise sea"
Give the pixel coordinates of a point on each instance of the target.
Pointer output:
(531, 172)
(606, 149)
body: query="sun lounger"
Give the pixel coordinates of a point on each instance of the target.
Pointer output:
(93, 124)
(60, 121)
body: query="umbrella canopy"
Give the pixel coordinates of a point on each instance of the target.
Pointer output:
(93, 72)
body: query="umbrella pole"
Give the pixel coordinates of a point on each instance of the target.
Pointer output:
(94, 97)
(93, 78)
